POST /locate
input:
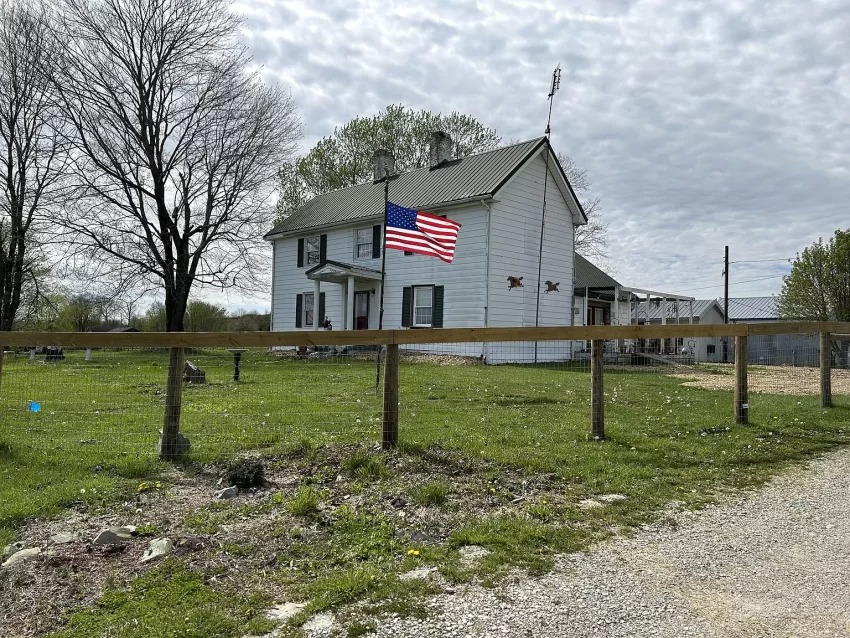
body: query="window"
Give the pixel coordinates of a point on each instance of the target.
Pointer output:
(422, 306)
(709, 349)
(312, 250)
(308, 309)
(363, 241)
(367, 242)
(305, 309)
(423, 298)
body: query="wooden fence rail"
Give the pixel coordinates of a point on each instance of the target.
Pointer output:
(393, 338)
(407, 336)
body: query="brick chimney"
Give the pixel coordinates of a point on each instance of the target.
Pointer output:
(383, 164)
(440, 150)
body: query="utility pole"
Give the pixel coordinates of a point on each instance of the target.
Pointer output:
(726, 303)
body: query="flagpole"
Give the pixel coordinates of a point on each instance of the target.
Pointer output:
(383, 274)
(384, 249)
(556, 83)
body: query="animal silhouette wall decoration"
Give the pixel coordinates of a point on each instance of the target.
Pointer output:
(514, 282)
(550, 287)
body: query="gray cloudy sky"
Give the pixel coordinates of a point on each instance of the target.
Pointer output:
(700, 124)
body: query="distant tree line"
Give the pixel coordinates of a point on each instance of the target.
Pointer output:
(100, 313)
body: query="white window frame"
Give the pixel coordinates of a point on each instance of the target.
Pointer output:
(312, 256)
(308, 300)
(414, 305)
(367, 245)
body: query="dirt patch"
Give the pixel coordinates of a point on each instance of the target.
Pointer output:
(251, 542)
(765, 379)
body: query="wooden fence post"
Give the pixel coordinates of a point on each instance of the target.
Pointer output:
(597, 389)
(742, 407)
(825, 370)
(389, 430)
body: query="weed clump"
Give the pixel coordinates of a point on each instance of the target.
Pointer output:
(246, 473)
(433, 493)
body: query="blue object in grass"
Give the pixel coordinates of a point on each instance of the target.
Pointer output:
(35, 406)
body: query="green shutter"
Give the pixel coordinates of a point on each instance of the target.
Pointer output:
(321, 316)
(406, 302)
(301, 252)
(376, 241)
(437, 313)
(323, 249)
(299, 308)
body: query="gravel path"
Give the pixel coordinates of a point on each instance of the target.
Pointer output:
(776, 563)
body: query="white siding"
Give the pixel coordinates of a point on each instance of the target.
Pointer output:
(514, 250)
(463, 278)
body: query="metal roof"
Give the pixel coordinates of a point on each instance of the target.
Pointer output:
(743, 308)
(700, 308)
(472, 176)
(590, 276)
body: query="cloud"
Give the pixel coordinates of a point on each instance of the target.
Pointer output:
(700, 125)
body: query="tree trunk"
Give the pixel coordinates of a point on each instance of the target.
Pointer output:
(169, 448)
(175, 311)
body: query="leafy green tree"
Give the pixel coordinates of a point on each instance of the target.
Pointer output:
(345, 158)
(818, 286)
(154, 319)
(205, 317)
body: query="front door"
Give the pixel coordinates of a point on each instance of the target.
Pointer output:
(361, 310)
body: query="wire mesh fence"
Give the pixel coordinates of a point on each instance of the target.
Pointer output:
(106, 404)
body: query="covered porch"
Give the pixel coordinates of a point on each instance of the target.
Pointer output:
(359, 295)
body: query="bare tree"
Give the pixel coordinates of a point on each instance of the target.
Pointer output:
(592, 238)
(30, 153)
(175, 150)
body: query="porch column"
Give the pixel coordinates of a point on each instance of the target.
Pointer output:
(376, 314)
(349, 309)
(317, 294)
(616, 319)
(663, 323)
(584, 316)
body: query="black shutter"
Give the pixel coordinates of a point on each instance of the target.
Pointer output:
(299, 308)
(321, 316)
(323, 249)
(406, 301)
(301, 252)
(437, 312)
(376, 241)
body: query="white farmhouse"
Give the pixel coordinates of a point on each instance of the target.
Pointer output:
(327, 253)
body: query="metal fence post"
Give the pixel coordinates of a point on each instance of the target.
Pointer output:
(597, 389)
(825, 370)
(742, 406)
(389, 429)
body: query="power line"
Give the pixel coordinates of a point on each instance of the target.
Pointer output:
(758, 261)
(743, 281)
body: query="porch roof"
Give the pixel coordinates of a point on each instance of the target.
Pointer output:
(338, 272)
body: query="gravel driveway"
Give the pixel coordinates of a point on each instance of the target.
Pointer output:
(776, 563)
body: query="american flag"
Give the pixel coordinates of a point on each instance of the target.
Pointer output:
(422, 233)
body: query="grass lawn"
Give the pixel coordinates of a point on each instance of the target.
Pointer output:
(494, 456)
